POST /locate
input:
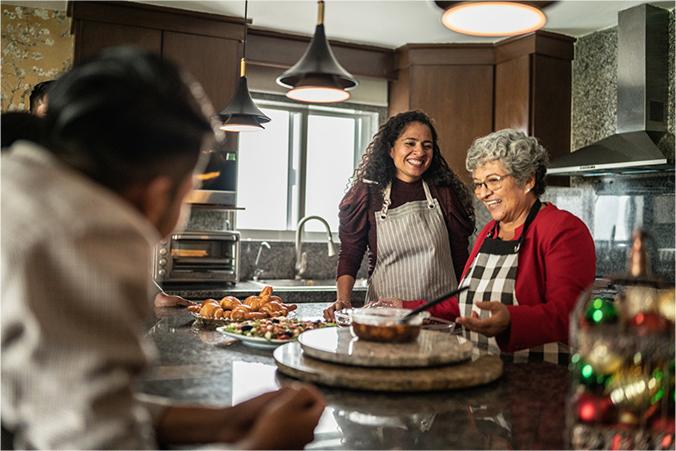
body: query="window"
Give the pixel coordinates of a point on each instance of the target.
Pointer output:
(299, 165)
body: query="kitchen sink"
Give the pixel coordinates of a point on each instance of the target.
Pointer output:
(306, 284)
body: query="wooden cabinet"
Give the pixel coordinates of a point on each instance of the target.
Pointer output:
(206, 45)
(453, 84)
(92, 36)
(471, 90)
(211, 60)
(533, 88)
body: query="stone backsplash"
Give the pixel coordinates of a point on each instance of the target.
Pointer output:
(278, 262)
(594, 89)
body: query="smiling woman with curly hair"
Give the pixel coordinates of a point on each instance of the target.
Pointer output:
(412, 213)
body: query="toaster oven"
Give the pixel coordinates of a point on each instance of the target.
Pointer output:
(198, 257)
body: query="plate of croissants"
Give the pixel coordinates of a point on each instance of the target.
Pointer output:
(229, 309)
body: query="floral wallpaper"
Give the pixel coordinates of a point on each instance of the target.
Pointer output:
(36, 46)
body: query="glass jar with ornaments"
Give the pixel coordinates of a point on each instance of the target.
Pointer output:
(622, 368)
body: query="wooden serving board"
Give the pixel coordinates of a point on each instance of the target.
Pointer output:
(481, 369)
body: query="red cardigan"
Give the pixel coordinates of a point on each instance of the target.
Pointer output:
(557, 262)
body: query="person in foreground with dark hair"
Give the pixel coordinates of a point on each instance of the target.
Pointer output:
(528, 265)
(19, 125)
(125, 132)
(410, 210)
(38, 99)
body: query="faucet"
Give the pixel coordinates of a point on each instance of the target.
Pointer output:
(257, 271)
(301, 257)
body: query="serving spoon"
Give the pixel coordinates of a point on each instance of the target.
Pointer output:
(406, 318)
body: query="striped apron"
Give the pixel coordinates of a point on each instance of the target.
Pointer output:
(414, 252)
(492, 277)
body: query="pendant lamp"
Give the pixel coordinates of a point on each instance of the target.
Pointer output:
(493, 19)
(318, 77)
(242, 114)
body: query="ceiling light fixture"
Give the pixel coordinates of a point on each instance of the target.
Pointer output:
(242, 114)
(318, 77)
(492, 19)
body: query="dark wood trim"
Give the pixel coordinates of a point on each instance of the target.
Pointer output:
(445, 54)
(541, 42)
(253, 31)
(282, 50)
(158, 17)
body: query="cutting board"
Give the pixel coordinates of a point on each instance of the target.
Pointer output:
(431, 348)
(481, 369)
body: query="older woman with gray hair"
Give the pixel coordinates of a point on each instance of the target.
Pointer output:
(528, 265)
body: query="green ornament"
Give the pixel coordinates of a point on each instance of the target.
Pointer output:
(586, 374)
(601, 311)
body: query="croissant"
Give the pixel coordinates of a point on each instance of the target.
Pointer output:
(274, 309)
(266, 291)
(218, 313)
(240, 313)
(194, 308)
(230, 302)
(208, 309)
(250, 300)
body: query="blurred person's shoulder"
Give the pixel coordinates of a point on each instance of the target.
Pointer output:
(42, 198)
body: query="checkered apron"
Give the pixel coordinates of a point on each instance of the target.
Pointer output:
(414, 253)
(492, 277)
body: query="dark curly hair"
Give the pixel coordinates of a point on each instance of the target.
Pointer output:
(377, 166)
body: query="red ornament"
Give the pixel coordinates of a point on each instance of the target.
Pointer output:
(649, 323)
(663, 425)
(593, 409)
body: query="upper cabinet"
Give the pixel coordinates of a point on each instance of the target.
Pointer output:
(533, 88)
(453, 84)
(206, 45)
(471, 90)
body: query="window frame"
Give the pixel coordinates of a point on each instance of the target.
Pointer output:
(297, 159)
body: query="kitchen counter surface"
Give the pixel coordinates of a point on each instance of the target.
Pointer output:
(525, 409)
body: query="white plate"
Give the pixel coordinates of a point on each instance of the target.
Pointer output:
(254, 342)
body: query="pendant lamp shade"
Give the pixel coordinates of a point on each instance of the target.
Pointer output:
(493, 18)
(242, 114)
(318, 77)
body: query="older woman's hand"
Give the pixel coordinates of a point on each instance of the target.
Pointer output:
(492, 326)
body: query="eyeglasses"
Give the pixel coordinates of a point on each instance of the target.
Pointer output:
(492, 183)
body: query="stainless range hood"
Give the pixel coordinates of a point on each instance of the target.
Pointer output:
(641, 143)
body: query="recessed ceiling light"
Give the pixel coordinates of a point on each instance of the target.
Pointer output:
(493, 18)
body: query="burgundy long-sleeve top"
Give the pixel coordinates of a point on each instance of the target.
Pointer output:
(557, 262)
(357, 229)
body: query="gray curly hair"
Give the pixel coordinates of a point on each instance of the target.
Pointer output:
(522, 155)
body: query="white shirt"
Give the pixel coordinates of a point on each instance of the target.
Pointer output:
(75, 295)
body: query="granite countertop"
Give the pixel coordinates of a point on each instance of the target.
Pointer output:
(524, 409)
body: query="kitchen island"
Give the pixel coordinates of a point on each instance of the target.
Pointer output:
(524, 409)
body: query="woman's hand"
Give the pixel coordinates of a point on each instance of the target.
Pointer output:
(386, 302)
(492, 326)
(329, 312)
(163, 299)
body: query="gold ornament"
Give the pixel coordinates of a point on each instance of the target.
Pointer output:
(666, 304)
